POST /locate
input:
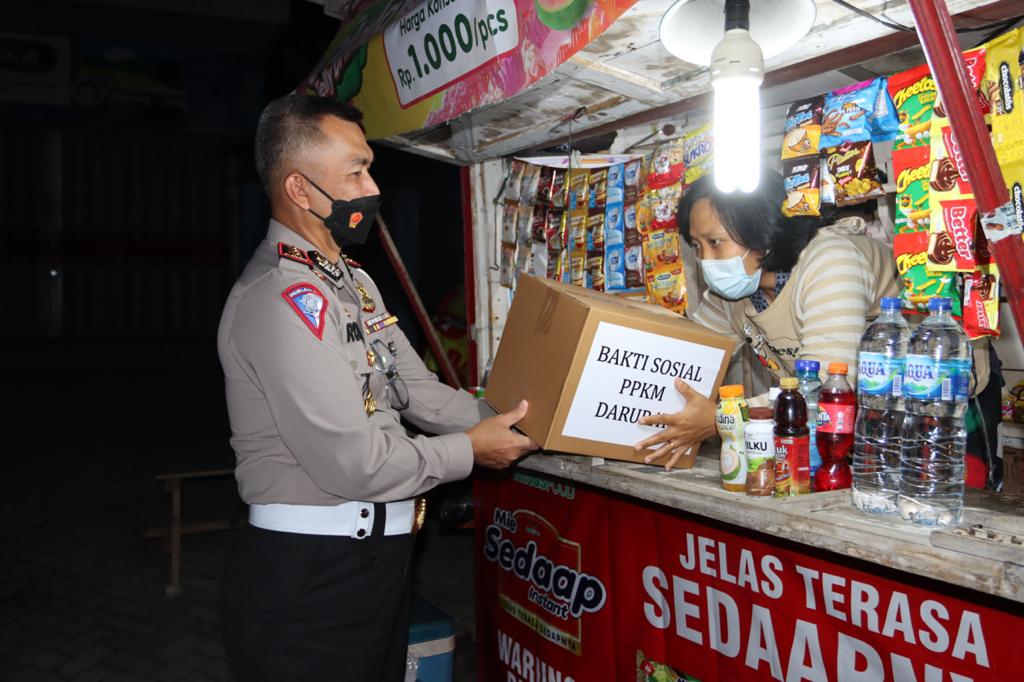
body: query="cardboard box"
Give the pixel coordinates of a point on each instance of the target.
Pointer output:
(592, 364)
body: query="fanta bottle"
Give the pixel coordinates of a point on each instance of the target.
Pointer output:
(837, 407)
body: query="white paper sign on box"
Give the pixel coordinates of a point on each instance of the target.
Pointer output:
(630, 373)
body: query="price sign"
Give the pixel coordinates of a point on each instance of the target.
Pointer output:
(441, 41)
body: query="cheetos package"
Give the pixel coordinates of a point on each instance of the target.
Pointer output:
(912, 167)
(920, 284)
(913, 92)
(981, 302)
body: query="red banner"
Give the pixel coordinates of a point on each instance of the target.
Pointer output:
(574, 586)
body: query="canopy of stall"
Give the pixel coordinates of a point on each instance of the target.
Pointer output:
(626, 78)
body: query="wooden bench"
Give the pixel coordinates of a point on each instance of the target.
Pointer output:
(173, 483)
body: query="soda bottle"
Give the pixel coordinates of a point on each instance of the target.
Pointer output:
(876, 435)
(730, 417)
(792, 457)
(837, 406)
(935, 387)
(810, 388)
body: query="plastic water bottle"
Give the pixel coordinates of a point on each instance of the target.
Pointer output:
(876, 437)
(810, 389)
(935, 386)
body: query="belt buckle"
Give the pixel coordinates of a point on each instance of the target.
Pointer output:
(419, 516)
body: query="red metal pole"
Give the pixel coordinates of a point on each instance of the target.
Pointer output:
(942, 49)
(417, 305)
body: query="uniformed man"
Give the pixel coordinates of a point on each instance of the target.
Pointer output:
(318, 376)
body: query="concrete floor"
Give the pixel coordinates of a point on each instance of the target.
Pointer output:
(81, 590)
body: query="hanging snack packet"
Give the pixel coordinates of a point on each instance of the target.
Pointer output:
(666, 286)
(559, 188)
(523, 254)
(578, 180)
(544, 182)
(507, 266)
(847, 113)
(539, 259)
(539, 224)
(643, 213)
(613, 225)
(913, 93)
(595, 230)
(555, 229)
(801, 180)
(919, 284)
(664, 205)
(852, 167)
(828, 185)
(954, 214)
(595, 271)
(530, 184)
(632, 234)
(802, 135)
(514, 181)
(599, 188)
(884, 120)
(523, 224)
(614, 268)
(509, 221)
(697, 156)
(1003, 86)
(578, 267)
(616, 183)
(667, 165)
(578, 228)
(661, 248)
(912, 167)
(981, 302)
(634, 266)
(974, 60)
(631, 178)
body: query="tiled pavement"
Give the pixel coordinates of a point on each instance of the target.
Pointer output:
(81, 590)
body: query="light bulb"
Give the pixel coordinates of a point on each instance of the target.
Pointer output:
(737, 133)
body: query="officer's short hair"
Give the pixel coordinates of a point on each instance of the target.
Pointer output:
(291, 123)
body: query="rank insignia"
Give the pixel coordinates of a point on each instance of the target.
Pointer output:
(375, 324)
(365, 300)
(350, 262)
(326, 266)
(310, 304)
(293, 253)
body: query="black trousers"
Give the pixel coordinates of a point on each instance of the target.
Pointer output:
(312, 608)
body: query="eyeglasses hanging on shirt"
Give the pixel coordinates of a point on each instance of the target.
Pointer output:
(383, 361)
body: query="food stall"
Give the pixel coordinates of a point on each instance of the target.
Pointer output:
(595, 565)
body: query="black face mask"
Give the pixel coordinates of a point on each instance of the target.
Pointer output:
(349, 221)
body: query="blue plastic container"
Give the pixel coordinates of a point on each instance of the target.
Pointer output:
(431, 641)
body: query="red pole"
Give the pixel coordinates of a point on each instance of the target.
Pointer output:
(942, 49)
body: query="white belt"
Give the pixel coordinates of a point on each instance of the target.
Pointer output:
(352, 519)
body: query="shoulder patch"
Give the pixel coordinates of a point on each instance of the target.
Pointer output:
(325, 266)
(293, 253)
(310, 304)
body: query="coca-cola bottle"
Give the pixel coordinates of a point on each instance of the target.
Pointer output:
(837, 407)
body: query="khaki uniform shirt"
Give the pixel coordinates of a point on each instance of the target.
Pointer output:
(293, 344)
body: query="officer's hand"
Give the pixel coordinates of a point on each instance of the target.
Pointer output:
(495, 444)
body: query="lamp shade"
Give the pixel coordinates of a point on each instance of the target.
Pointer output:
(691, 29)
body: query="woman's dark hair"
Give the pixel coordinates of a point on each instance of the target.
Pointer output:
(754, 220)
(290, 123)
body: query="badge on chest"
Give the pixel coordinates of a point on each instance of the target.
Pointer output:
(382, 321)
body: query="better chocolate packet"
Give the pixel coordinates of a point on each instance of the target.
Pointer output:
(920, 285)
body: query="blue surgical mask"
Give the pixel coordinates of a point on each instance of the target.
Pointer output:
(728, 277)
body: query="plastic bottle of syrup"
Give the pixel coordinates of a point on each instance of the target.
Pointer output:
(792, 441)
(837, 407)
(731, 417)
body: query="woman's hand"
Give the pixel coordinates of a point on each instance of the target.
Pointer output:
(683, 430)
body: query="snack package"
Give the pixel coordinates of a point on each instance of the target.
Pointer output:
(1003, 86)
(631, 177)
(667, 165)
(507, 266)
(616, 183)
(858, 113)
(632, 234)
(524, 252)
(559, 188)
(579, 188)
(578, 229)
(539, 259)
(514, 182)
(524, 223)
(578, 267)
(664, 205)
(613, 225)
(697, 156)
(981, 302)
(595, 230)
(595, 271)
(643, 214)
(545, 180)
(598, 188)
(828, 185)
(919, 284)
(539, 224)
(661, 248)
(555, 229)
(801, 180)
(974, 60)
(666, 286)
(802, 136)
(913, 93)
(954, 214)
(634, 266)
(912, 167)
(614, 268)
(509, 221)
(852, 167)
(530, 184)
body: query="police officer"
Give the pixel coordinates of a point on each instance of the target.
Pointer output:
(318, 376)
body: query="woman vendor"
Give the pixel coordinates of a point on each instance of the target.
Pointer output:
(788, 287)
